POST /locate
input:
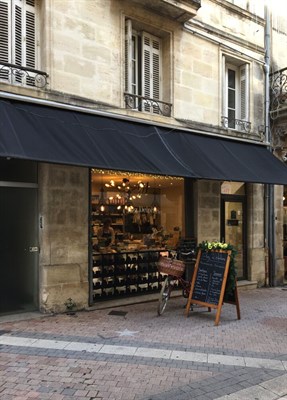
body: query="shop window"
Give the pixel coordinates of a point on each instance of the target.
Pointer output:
(138, 205)
(135, 218)
(144, 71)
(18, 43)
(235, 113)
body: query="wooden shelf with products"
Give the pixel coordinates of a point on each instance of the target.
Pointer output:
(117, 217)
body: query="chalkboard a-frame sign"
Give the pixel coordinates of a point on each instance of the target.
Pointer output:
(209, 281)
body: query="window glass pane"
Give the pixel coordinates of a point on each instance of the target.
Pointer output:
(231, 98)
(231, 78)
(133, 47)
(231, 119)
(136, 204)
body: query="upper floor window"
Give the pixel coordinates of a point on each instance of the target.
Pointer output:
(235, 95)
(143, 71)
(18, 42)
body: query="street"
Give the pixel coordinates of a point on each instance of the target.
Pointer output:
(130, 353)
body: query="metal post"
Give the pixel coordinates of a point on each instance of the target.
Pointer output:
(269, 189)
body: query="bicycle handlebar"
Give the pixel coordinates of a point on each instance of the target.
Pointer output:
(187, 254)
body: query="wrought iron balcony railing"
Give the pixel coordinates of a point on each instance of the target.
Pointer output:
(237, 124)
(25, 76)
(278, 92)
(147, 104)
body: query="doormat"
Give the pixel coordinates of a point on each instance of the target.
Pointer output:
(119, 313)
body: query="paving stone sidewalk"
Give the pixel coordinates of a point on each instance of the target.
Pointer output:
(130, 353)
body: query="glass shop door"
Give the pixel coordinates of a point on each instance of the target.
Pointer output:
(233, 229)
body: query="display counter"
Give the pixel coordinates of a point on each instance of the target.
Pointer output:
(126, 272)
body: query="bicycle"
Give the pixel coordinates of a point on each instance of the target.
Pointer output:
(175, 270)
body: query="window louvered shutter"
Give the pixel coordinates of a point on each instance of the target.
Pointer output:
(151, 71)
(5, 37)
(131, 65)
(17, 33)
(18, 39)
(224, 93)
(128, 56)
(24, 39)
(244, 92)
(29, 48)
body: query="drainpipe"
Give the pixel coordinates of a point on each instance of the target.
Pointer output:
(269, 189)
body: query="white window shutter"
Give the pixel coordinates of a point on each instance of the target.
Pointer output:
(24, 39)
(29, 45)
(18, 38)
(224, 92)
(30, 34)
(17, 33)
(155, 69)
(151, 71)
(128, 56)
(5, 37)
(244, 92)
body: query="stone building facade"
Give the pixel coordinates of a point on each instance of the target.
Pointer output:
(82, 53)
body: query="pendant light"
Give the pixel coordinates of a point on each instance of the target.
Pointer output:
(102, 201)
(155, 204)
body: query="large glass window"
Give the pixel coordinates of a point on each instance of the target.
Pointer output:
(145, 208)
(135, 219)
(236, 96)
(144, 72)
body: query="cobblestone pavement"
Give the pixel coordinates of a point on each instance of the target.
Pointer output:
(130, 353)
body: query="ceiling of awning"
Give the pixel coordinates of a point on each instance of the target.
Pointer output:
(50, 134)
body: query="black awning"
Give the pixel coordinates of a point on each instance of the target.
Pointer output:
(41, 133)
(223, 159)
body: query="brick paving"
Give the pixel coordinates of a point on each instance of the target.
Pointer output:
(140, 356)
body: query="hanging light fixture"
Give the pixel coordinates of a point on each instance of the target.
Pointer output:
(129, 207)
(102, 201)
(123, 193)
(155, 204)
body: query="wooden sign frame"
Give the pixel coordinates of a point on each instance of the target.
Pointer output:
(219, 303)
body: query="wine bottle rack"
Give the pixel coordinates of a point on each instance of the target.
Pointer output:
(126, 274)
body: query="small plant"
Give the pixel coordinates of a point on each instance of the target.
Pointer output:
(70, 304)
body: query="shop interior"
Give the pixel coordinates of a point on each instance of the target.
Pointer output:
(146, 215)
(144, 210)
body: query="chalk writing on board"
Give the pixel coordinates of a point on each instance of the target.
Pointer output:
(209, 278)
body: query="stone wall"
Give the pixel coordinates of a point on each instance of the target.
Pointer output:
(207, 217)
(63, 210)
(86, 56)
(255, 234)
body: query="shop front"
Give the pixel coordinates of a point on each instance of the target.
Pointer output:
(155, 184)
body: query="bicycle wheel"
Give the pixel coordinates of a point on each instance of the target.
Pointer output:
(164, 295)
